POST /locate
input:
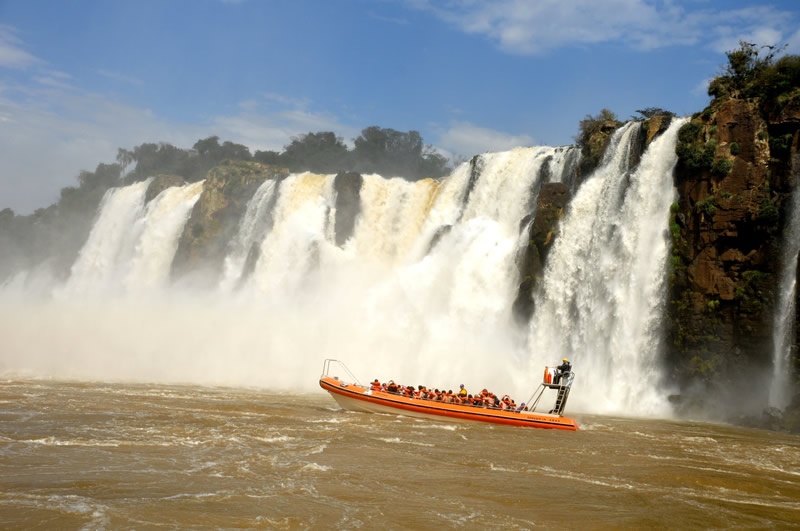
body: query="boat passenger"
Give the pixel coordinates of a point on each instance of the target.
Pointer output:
(462, 392)
(495, 401)
(392, 387)
(522, 407)
(376, 385)
(505, 402)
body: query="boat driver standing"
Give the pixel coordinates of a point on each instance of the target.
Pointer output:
(563, 370)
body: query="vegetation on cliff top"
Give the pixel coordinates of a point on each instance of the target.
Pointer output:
(594, 132)
(748, 74)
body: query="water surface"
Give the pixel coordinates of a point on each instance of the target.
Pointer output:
(110, 456)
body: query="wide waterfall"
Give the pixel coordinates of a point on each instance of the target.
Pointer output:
(421, 292)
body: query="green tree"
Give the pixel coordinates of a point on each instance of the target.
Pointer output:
(395, 153)
(590, 125)
(268, 157)
(152, 159)
(649, 112)
(233, 151)
(748, 74)
(319, 152)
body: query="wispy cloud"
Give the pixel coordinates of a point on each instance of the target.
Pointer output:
(12, 53)
(78, 130)
(525, 27)
(270, 123)
(465, 138)
(794, 43)
(119, 76)
(391, 20)
(54, 79)
(56, 133)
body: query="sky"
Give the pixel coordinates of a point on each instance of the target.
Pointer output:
(81, 79)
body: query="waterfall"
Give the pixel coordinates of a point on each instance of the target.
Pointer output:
(604, 282)
(110, 240)
(290, 252)
(130, 247)
(783, 327)
(393, 212)
(255, 224)
(420, 292)
(162, 224)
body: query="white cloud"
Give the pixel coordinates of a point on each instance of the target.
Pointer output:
(793, 43)
(44, 145)
(270, 123)
(12, 55)
(464, 138)
(759, 25)
(526, 27)
(50, 133)
(54, 79)
(701, 88)
(119, 76)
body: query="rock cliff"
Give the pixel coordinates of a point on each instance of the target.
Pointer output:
(213, 221)
(734, 184)
(550, 204)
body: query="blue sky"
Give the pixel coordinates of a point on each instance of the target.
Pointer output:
(80, 79)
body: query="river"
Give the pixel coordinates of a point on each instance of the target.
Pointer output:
(116, 456)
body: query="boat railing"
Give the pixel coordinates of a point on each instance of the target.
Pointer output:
(562, 387)
(331, 365)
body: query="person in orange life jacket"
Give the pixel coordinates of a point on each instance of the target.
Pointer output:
(392, 387)
(376, 385)
(462, 392)
(563, 370)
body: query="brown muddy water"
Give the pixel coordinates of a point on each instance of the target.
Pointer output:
(118, 456)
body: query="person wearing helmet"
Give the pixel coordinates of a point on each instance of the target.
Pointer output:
(563, 369)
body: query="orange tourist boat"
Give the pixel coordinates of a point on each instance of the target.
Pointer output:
(357, 397)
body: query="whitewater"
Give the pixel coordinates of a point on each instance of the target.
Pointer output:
(421, 292)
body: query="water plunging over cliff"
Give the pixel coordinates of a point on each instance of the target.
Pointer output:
(603, 292)
(783, 328)
(131, 246)
(420, 292)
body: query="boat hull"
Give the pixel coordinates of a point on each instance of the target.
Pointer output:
(357, 398)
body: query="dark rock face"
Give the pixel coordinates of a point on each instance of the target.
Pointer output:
(595, 146)
(348, 204)
(727, 231)
(552, 199)
(161, 183)
(215, 217)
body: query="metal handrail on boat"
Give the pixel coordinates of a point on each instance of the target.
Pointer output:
(326, 370)
(563, 388)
